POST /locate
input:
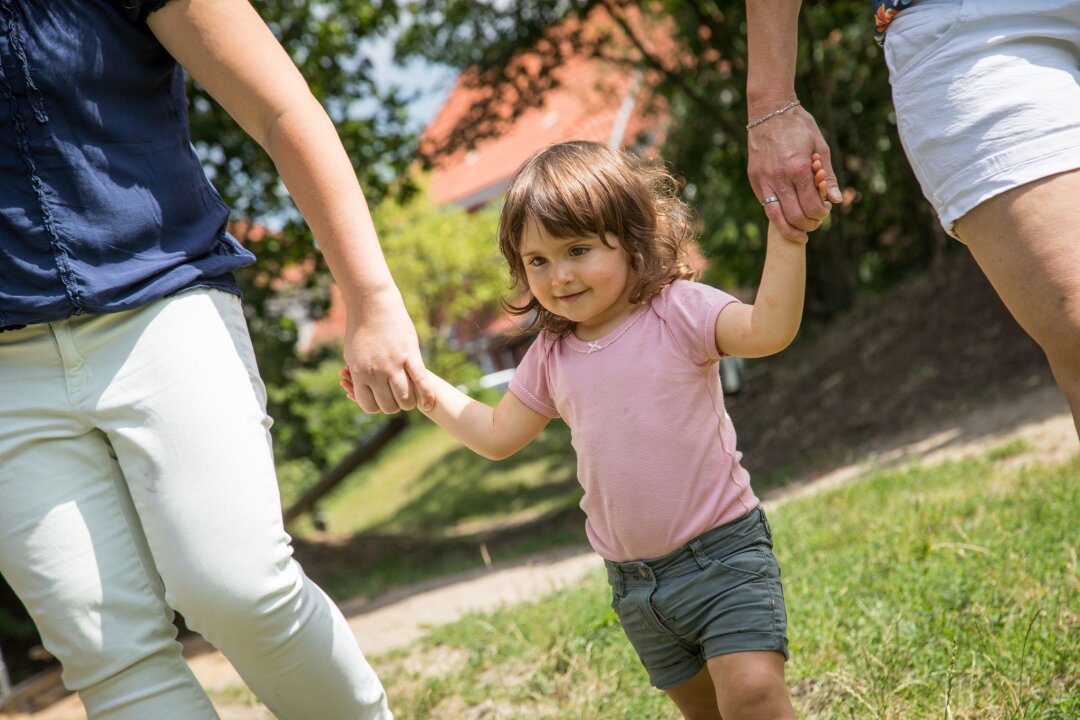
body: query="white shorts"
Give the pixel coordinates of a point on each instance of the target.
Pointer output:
(987, 95)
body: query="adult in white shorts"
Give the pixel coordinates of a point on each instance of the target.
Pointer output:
(987, 97)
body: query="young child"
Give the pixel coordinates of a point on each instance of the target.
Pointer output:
(627, 356)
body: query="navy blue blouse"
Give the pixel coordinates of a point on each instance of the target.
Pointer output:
(103, 203)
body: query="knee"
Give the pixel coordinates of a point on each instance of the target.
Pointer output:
(1062, 343)
(758, 699)
(221, 606)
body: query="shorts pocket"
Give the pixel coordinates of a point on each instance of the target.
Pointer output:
(638, 615)
(751, 561)
(918, 33)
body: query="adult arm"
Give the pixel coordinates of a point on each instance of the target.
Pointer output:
(779, 148)
(494, 432)
(229, 50)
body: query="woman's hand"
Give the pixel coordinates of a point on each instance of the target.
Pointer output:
(780, 151)
(385, 370)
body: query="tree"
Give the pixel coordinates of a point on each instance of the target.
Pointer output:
(447, 263)
(693, 57)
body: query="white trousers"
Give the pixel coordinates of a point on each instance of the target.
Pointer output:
(136, 475)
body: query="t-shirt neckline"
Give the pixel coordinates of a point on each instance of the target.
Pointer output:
(590, 346)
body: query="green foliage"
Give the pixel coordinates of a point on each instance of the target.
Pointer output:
(944, 591)
(886, 230)
(323, 426)
(447, 263)
(326, 41)
(423, 507)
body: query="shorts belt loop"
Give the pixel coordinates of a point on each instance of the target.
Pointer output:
(765, 521)
(616, 579)
(699, 554)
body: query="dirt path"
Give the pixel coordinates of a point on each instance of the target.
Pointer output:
(1040, 420)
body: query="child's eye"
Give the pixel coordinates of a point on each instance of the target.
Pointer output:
(578, 251)
(536, 261)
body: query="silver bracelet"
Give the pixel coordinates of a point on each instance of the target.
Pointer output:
(774, 113)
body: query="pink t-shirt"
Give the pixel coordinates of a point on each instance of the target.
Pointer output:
(655, 447)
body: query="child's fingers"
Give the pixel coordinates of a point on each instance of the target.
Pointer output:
(832, 189)
(821, 177)
(346, 383)
(349, 393)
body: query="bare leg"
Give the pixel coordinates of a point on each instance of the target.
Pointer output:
(696, 698)
(750, 686)
(1028, 244)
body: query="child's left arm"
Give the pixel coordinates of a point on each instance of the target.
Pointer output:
(769, 325)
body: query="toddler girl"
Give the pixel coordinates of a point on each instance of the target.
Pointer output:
(627, 356)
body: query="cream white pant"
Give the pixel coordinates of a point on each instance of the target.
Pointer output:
(136, 476)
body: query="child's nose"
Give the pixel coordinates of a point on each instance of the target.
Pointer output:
(562, 274)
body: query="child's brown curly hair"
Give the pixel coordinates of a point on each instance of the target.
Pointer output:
(580, 188)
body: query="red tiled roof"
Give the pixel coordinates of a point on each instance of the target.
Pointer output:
(581, 108)
(594, 100)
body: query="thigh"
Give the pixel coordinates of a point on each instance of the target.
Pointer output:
(669, 659)
(751, 686)
(736, 601)
(1029, 247)
(70, 545)
(696, 698)
(186, 412)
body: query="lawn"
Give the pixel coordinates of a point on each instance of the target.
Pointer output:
(427, 506)
(949, 591)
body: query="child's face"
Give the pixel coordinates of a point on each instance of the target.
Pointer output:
(578, 278)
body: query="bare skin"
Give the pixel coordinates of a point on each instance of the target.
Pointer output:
(779, 147)
(1032, 258)
(736, 686)
(258, 85)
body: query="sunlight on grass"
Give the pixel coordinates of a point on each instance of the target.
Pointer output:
(427, 507)
(948, 591)
(1008, 450)
(427, 483)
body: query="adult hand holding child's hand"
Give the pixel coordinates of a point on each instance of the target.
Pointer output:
(385, 371)
(780, 172)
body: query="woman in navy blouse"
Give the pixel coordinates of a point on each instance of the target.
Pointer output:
(136, 472)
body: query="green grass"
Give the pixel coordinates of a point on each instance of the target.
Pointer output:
(426, 483)
(948, 592)
(426, 507)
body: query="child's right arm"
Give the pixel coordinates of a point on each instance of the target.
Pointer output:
(494, 432)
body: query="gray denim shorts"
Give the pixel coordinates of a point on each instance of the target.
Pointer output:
(720, 593)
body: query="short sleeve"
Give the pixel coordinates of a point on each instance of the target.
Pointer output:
(530, 383)
(140, 9)
(689, 310)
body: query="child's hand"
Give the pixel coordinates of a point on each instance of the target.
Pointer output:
(820, 177)
(346, 382)
(821, 180)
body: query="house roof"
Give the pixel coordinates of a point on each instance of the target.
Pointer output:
(594, 100)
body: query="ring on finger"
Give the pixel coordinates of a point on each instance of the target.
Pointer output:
(770, 199)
